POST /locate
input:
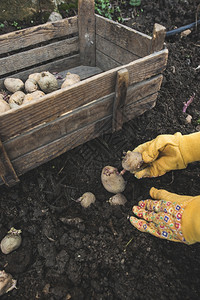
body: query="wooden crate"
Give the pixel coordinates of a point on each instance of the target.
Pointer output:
(121, 71)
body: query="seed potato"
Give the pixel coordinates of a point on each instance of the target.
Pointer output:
(31, 85)
(70, 79)
(132, 161)
(112, 181)
(33, 96)
(16, 99)
(13, 84)
(47, 82)
(4, 106)
(118, 199)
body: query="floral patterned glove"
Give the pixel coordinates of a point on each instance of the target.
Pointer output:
(175, 217)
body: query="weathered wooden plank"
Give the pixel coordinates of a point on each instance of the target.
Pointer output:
(80, 117)
(21, 39)
(54, 104)
(143, 89)
(135, 109)
(41, 155)
(38, 55)
(64, 125)
(54, 66)
(122, 82)
(157, 42)
(105, 62)
(86, 28)
(123, 36)
(7, 172)
(113, 51)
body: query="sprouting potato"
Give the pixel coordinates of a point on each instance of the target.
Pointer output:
(16, 99)
(31, 85)
(33, 96)
(47, 82)
(86, 199)
(7, 283)
(132, 161)
(13, 84)
(112, 181)
(70, 79)
(11, 241)
(4, 106)
(118, 199)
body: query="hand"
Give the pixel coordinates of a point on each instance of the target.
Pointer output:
(168, 152)
(171, 216)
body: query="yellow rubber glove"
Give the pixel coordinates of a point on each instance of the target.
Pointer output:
(168, 152)
(171, 216)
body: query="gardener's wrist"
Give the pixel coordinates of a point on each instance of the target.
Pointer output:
(190, 147)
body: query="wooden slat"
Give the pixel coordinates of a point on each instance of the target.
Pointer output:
(143, 89)
(50, 151)
(31, 140)
(54, 104)
(58, 147)
(54, 66)
(105, 62)
(64, 125)
(86, 25)
(35, 56)
(138, 108)
(122, 82)
(7, 172)
(157, 42)
(117, 53)
(123, 36)
(30, 36)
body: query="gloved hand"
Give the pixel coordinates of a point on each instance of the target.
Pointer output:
(171, 216)
(168, 152)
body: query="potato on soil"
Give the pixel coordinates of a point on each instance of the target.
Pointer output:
(132, 161)
(4, 106)
(112, 181)
(86, 199)
(13, 84)
(33, 96)
(70, 79)
(31, 85)
(118, 199)
(16, 99)
(47, 82)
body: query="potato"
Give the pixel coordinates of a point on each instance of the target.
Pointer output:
(16, 99)
(86, 199)
(33, 96)
(112, 181)
(13, 84)
(132, 161)
(117, 199)
(1, 96)
(31, 85)
(4, 106)
(70, 79)
(35, 76)
(47, 82)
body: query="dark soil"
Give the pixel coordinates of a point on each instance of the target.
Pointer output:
(104, 257)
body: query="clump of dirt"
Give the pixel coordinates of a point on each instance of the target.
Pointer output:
(103, 256)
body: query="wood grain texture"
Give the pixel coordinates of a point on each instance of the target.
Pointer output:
(86, 25)
(21, 39)
(7, 172)
(54, 104)
(159, 33)
(119, 54)
(123, 36)
(101, 108)
(54, 66)
(41, 155)
(45, 153)
(105, 62)
(121, 87)
(38, 55)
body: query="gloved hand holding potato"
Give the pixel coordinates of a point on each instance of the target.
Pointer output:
(166, 153)
(168, 216)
